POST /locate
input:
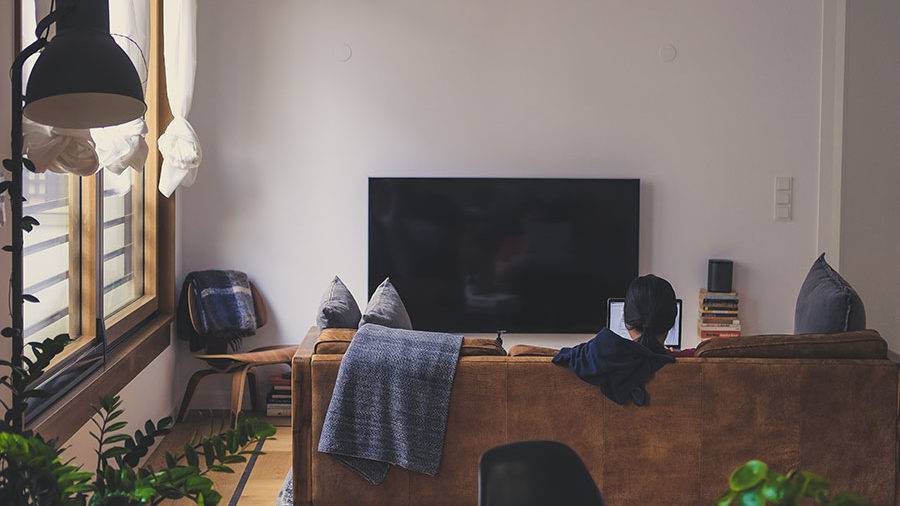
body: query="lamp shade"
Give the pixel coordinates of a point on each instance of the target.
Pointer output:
(83, 79)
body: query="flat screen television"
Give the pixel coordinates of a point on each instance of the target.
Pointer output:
(522, 255)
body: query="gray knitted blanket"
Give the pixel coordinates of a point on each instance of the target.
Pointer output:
(391, 400)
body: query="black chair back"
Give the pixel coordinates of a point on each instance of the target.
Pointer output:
(535, 473)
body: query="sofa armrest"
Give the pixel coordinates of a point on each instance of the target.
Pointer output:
(301, 418)
(308, 346)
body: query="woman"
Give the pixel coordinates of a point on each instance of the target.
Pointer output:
(650, 311)
(621, 367)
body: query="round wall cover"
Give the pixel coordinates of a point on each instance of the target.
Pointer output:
(667, 53)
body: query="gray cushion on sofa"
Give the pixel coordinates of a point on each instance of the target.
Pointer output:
(385, 308)
(827, 303)
(338, 309)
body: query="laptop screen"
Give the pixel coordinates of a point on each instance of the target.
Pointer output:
(615, 321)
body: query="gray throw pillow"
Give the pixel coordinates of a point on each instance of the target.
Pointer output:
(338, 309)
(385, 308)
(827, 303)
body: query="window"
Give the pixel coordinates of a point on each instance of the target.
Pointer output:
(47, 255)
(92, 261)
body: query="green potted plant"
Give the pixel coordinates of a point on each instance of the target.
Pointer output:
(32, 471)
(754, 484)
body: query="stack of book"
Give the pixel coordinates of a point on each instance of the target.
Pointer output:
(278, 401)
(718, 315)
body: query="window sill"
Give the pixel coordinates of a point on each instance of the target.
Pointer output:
(72, 411)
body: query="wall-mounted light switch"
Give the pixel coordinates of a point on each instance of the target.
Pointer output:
(784, 189)
(782, 213)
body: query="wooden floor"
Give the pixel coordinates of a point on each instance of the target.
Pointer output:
(266, 476)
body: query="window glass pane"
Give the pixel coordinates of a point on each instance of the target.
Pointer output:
(47, 255)
(123, 239)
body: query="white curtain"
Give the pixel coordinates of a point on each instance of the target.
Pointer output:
(122, 146)
(179, 145)
(84, 152)
(60, 149)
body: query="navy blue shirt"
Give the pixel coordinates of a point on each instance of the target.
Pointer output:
(617, 365)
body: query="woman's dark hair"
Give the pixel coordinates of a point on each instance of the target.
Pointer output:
(650, 309)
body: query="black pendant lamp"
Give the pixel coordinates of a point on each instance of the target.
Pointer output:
(83, 79)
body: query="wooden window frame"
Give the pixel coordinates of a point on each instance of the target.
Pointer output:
(146, 320)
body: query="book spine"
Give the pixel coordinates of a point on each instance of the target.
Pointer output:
(718, 295)
(710, 335)
(278, 399)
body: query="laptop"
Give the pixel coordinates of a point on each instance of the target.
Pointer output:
(615, 321)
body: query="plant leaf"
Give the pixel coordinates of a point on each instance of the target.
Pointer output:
(117, 451)
(748, 475)
(118, 438)
(726, 498)
(752, 498)
(208, 452)
(191, 455)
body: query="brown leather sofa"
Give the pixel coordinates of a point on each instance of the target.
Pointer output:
(833, 411)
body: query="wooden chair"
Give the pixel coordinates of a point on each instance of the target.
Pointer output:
(238, 365)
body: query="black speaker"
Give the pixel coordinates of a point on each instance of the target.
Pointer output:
(719, 277)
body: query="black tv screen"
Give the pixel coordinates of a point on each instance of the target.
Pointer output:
(520, 255)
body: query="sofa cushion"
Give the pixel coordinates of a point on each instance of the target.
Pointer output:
(827, 303)
(338, 308)
(863, 344)
(385, 308)
(336, 342)
(472, 347)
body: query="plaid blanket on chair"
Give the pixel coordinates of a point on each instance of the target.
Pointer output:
(225, 307)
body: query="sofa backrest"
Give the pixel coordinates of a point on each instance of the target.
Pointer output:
(705, 417)
(336, 342)
(860, 344)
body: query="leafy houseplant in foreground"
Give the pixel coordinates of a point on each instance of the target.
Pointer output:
(184, 475)
(32, 471)
(754, 484)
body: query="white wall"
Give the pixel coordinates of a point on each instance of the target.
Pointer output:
(512, 89)
(527, 89)
(870, 217)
